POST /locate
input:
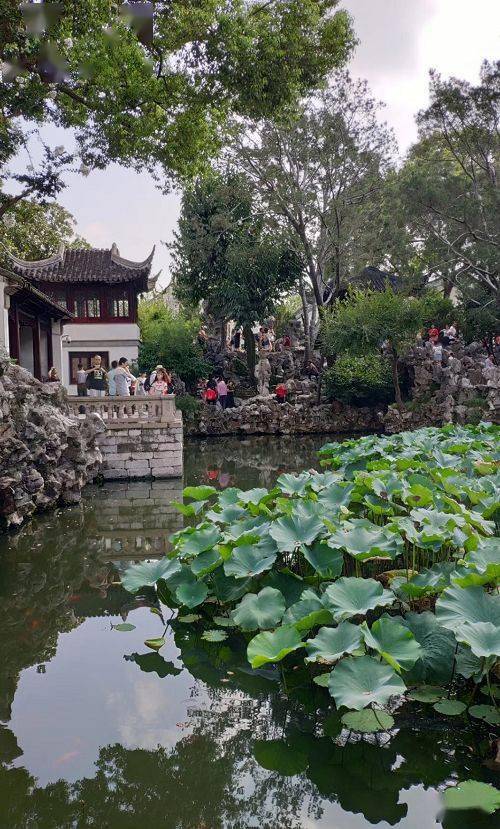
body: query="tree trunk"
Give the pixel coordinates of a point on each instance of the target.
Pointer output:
(395, 378)
(250, 350)
(305, 320)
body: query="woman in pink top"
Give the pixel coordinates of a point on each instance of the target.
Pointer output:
(160, 385)
(222, 392)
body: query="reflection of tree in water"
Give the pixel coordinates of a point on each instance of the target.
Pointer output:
(44, 572)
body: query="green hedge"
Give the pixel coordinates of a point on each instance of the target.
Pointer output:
(360, 381)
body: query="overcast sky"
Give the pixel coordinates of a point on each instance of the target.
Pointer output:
(400, 40)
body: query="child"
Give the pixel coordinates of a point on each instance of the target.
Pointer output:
(160, 385)
(222, 392)
(281, 392)
(140, 389)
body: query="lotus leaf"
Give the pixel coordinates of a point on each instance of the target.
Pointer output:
(252, 496)
(332, 643)
(126, 626)
(294, 484)
(206, 562)
(336, 496)
(192, 594)
(450, 707)
(427, 693)
(227, 515)
(227, 588)
(199, 541)
(288, 583)
(368, 721)
(155, 644)
(349, 597)
(189, 618)
(360, 681)
(214, 635)
(438, 648)
(471, 794)
(224, 621)
(249, 561)
(261, 610)
(199, 493)
(364, 540)
(307, 613)
(483, 638)
(273, 646)
(487, 713)
(459, 605)
(394, 642)
(328, 563)
(147, 573)
(322, 680)
(428, 582)
(189, 510)
(292, 530)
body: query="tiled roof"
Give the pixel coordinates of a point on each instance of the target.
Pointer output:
(84, 265)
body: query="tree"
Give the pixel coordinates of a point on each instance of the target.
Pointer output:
(319, 176)
(169, 339)
(448, 189)
(371, 322)
(33, 231)
(155, 94)
(225, 254)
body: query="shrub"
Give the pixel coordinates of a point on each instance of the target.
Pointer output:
(170, 339)
(360, 381)
(188, 405)
(437, 310)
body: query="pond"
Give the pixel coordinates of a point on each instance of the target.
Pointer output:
(97, 731)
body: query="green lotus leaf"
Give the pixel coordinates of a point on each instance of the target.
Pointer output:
(288, 583)
(249, 561)
(428, 582)
(198, 493)
(394, 642)
(189, 510)
(328, 563)
(468, 664)
(483, 638)
(450, 707)
(277, 755)
(192, 594)
(471, 794)
(487, 713)
(351, 596)
(199, 541)
(228, 496)
(493, 691)
(147, 573)
(292, 530)
(460, 605)
(252, 496)
(486, 559)
(206, 562)
(427, 693)
(438, 648)
(214, 635)
(224, 621)
(293, 484)
(331, 643)
(322, 680)
(155, 644)
(273, 646)
(228, 589)
(360, 681)
(336, 496)
(189, 618)
(227, 515)
(261, 610)
(307, 613)
(257, 525)
(124, 627)
(364, 540)
(368, 721)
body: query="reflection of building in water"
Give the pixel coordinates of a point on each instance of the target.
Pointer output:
(134, 519)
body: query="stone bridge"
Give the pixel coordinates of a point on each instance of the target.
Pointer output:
(143, 436)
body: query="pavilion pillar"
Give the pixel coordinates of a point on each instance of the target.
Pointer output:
(56, 350)
(4, 317)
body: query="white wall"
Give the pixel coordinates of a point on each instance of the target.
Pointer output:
(118, 339)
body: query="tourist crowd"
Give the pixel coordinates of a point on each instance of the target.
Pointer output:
(118, 380)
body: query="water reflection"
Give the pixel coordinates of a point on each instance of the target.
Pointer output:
(100, 732)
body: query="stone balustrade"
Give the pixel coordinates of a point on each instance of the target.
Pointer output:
(143, 436)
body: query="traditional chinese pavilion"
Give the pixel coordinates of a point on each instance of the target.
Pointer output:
(99, 289)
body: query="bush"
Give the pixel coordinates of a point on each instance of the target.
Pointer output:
(360, 381)
(170, 339)
(188, 405)
(437, 310)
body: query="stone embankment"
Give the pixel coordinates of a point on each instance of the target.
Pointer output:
(461, 387)
(265, 416)
(45, 457)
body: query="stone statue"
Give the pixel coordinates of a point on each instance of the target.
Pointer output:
(263, 376)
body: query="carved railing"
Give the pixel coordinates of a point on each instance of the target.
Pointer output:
(126, 410)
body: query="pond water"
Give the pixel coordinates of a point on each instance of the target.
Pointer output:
(97, 731)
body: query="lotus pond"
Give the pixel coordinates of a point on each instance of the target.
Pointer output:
(316, 645)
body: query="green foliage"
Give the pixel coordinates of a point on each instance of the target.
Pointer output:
(166, 102)
(471, 794)
(300, 566)
(359, 380)
(438, 310)
(285, 312)
(169, 339)
(188, 405)
(36, 231)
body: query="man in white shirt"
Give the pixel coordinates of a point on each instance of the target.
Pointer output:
(123, 378)
(81, 381)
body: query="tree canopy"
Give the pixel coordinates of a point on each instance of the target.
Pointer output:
(156, 94)
(35, 231)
